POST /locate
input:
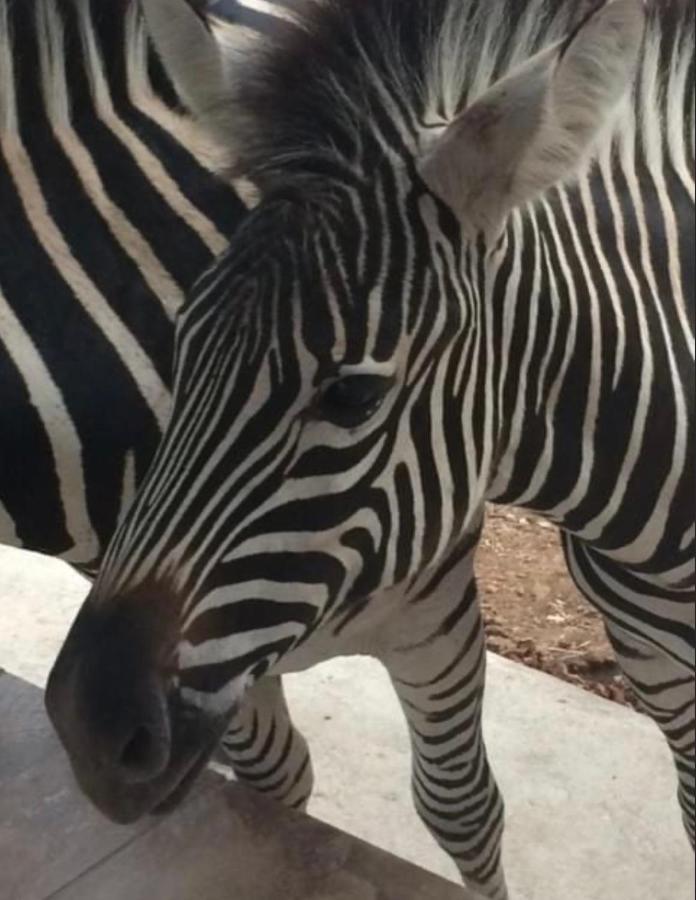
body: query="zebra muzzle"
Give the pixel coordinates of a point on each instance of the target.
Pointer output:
(134, 745)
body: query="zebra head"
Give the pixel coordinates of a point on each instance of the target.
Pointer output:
(335, 412)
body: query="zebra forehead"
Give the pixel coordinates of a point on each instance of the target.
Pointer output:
(301, 246)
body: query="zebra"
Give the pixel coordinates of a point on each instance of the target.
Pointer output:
(468, 279)
(110, 206)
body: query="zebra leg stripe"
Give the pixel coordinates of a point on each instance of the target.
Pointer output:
(440, 683)
(667, 695)
(665, 688)
(265, 749)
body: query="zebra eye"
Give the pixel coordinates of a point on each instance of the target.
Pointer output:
(351, 400)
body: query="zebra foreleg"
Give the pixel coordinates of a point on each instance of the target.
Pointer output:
(265, 749)
(666, 692)
(440, 682)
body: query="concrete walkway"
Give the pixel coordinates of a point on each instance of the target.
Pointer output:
(225, 842)
(589, 786)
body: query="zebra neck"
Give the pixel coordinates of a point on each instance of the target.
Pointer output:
(593, 358)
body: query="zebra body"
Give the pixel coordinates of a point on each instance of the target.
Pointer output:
(469, 278)
(109, 209)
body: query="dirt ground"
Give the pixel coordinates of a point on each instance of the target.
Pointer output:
(534, 614)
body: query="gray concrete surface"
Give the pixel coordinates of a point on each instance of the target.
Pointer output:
(589, 785)
(224, 842)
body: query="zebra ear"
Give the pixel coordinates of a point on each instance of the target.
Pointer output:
(191, 54)
(537, 127)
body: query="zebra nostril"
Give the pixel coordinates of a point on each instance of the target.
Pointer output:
(145, 754)
(137, 752)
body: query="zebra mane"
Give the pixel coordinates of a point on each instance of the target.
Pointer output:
(350, 79)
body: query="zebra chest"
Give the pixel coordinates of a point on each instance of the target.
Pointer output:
(388, 623)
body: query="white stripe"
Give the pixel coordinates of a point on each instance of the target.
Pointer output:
(8, 95)
(505, 466)
(595, 528)
(646, 543)
(292, 490)
(340, 344)
(689, 538)
(300, 542)
(590, 213)
(591, 412)
(60, 431)
(476, 480)
(52, 54)
(438, 441)
(654, 152)
(278, 592)
(268, 8)
(517, 425)
(131, 354)
(376, 299)
(546, 458)
(128, 486)
(679, 649)
(405, 439)
(542, 402)
(144, 158)
(234, 646)
(680, 577)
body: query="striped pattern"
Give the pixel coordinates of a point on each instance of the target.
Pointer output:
(109, 209)
(355, 379)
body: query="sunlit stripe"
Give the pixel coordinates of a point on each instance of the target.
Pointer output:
(57, 104)
(141, 154)
(133, 358)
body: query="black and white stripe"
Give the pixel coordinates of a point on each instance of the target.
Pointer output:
(110, 206)
(366, 367)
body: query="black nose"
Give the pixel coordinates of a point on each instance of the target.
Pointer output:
(108, 702)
